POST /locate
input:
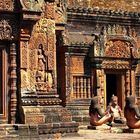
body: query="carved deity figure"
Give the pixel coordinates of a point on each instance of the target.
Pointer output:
(96, 45)
(132, 113)
(97, 115)
(41, 72)
(44, 77)
(114, 108)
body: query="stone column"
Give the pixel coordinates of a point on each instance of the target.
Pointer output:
(13, 80)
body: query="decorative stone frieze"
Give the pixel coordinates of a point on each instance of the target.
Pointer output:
(115, 64)
(7, 5)
(8, 27)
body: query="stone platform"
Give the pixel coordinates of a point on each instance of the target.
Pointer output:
(117, 128)
(50, 130)
(135, 131)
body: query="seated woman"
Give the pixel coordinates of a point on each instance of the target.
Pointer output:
(114, 108)
(132, 113)
(97, 115)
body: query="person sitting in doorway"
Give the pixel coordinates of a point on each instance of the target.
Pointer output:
(96, 113)
(132, 113)
(114, 108)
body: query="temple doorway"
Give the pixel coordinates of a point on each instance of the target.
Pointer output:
(111, 86)
(115, 85)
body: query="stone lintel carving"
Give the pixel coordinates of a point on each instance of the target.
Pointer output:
(115, 64)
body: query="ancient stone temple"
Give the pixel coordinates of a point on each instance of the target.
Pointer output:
(100, 54)
(55, 55)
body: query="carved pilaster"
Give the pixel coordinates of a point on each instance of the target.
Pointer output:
(13, 79)
(127, 83)
(67, 69)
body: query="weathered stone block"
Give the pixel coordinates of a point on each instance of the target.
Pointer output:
(127, 130)
(33, 130)
(23, 130)
(34, 119)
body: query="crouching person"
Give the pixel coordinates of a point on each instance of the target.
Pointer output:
(96, 113)
(132, 113)
(115, 109)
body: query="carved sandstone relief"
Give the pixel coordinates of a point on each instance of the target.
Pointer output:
(49, 11)
(118, 41)
(8, 27)
(47, 27)
(77, 65)
(37, 59)
(60, 13)
(7, 5)
(39, 63)
(24, 54)
(5, 30)
(116, 49)
(32, 5)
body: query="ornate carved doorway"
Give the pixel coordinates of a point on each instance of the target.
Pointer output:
(3, 84)
(115, 85)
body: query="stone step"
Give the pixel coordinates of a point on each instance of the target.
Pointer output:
(135, 131)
